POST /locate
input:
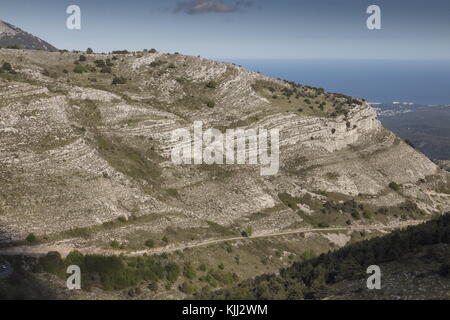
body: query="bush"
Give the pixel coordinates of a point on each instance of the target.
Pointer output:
(89, 51)
(211, 85)
(187, 288)
(31, 238)
(120, 52)
(247, 232)
(105, 70)
(408, 142)
(6, 67)
(115, 244)
(211, 104)
(119, 80)
(288, 200)
(188, 271)
(82, 58)
(394, 186)
(150, 243)
(172, 272)
(79, 69)
(356, 215)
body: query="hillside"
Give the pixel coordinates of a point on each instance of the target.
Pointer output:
(414, 263)
(11, 36)
(85, 142)
(79, 152)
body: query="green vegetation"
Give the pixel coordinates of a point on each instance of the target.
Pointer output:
(80, 69)
(119, 80)
(288, 200)
(247, 232)
(7, 68)
(31, 238)
(394, 186)
(150, 243)
(309, 279)
(211, 85)
(110, 272)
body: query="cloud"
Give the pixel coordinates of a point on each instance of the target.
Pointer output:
(209, 6)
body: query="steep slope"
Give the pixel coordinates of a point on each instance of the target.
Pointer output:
(11, 36)
(78, 152)
(414, 264)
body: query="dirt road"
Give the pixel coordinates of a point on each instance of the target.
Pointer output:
(64, 250)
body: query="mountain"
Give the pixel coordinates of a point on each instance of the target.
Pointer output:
(11, 36)
(85, 145)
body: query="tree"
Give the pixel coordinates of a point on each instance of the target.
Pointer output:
(89, 51)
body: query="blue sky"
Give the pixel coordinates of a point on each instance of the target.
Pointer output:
(244, 29)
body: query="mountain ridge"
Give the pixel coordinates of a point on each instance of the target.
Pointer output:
(12, 36)
(98, 152)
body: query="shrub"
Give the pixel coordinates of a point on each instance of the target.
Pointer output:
(105, 70)
(89, 51)
(288, 200)
(187, 288)
(120, 52)
(6, 67)
(247, 232)
(115, 244)
(211, 104)
(172, 272)
(408, 142)
(122, 219)
(211, 85)
(356, 215)
(100, 63)
(150, 243)
(119, 80)
(31, 238)
(188, 271)
(165, 240)
(394, 186)
(79, 69)
(82, 58)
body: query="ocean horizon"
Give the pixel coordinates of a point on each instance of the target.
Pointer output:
(422, 82)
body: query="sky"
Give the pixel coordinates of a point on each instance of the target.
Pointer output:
(244, 29)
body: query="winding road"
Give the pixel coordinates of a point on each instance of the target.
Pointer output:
(64, 250)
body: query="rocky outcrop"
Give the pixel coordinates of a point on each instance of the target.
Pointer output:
(78, 153)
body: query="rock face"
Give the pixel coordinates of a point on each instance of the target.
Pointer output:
(76, 151)
(11, 36)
